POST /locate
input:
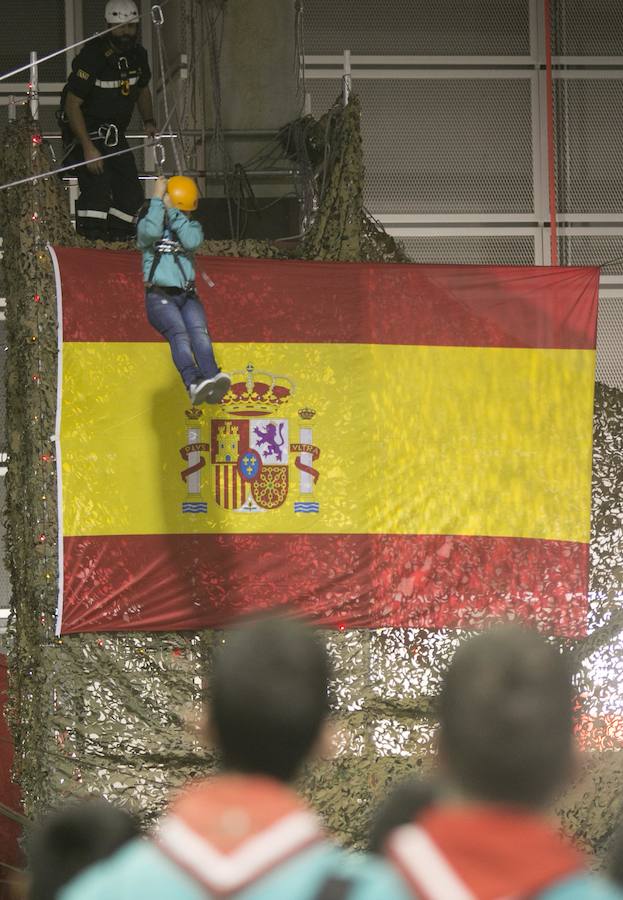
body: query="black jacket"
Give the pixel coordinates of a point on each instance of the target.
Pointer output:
(108, 82)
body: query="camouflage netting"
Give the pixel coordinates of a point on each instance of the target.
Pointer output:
(118, 714)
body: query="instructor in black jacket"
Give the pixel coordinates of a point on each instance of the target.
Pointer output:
(109, 77)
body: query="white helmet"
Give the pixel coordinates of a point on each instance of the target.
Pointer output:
(120, 12)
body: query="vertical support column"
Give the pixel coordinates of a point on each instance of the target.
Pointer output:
(539, 132)
(258, 76)
(551, 151)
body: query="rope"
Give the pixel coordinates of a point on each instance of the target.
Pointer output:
(9, 813)
(43, 59)
(12, 869)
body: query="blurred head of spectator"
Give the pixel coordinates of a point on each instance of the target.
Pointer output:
(404, 803)
(72, 838)
(506, 718)
(269, 698)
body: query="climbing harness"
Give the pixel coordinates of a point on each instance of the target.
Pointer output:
(169, 245)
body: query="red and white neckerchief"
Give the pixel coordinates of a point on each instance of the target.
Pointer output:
(481, 853)
(229, 831)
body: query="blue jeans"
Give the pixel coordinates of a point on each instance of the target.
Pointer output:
(180, 318)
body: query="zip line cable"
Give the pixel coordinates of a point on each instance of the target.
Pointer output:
(70, 168)
(91, 37)
(153, 142)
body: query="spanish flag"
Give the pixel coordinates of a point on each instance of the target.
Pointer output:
(402, 445)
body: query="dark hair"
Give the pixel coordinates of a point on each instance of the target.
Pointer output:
(269, 697)
(506, 717)
(404, 803)
(72, 838)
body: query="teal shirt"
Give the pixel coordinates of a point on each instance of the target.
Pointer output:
(583, 887)
(141, 870)
(158, 223)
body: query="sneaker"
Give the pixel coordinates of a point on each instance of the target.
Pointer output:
(199, 390)
(219, 385)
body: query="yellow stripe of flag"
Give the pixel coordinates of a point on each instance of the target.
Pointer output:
(413, 440)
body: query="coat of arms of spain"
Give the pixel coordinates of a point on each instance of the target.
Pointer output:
(249, 440)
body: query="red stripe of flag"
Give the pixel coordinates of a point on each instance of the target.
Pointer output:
(289, 301)
(177, 582)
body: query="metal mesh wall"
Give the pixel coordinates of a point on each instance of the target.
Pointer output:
(445, 27)
(458, 145)
(24, 30)
(592, 250)
(589, 124)
(495, 250)
(596, 249)
(609, 368)
(586, 27)
(92, 16)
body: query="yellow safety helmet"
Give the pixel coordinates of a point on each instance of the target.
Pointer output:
(183, 192)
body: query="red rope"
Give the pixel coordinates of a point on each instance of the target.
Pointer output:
(551, 158)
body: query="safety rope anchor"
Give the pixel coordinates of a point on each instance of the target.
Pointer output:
(157, 16)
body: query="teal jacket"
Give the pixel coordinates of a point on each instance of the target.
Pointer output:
(491, 851)
(159, 223)
(583, 887)
(141, 870)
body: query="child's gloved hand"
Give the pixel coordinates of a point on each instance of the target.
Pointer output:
(160, 187)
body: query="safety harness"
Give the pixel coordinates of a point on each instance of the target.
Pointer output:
(164, 246)
(107, 132)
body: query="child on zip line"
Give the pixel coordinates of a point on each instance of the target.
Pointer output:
(168, 239)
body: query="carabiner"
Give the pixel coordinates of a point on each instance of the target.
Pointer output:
(109, 134)
(157, 16)
(159, 157)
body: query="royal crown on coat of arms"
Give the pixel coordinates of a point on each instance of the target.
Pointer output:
(256, 393)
